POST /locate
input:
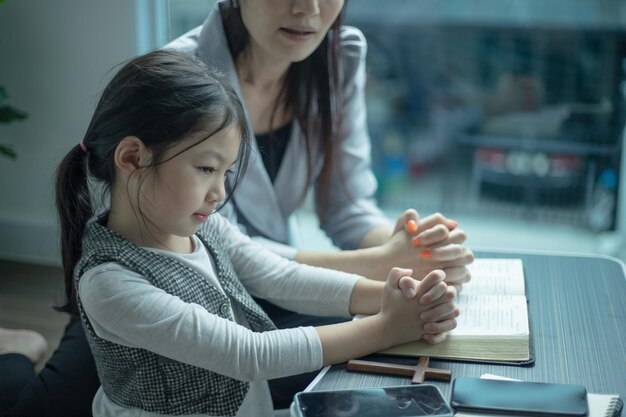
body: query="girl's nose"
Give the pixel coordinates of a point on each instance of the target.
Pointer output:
(217, 192)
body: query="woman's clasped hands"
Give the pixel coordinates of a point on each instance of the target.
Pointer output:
(423, 245)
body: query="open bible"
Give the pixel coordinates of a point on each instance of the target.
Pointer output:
(493, 325)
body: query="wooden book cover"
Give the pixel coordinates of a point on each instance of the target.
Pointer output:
(493, 325)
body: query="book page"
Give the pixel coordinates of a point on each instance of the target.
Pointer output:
(491, 314)
(496, 276)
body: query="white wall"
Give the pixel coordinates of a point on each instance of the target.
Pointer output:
(55, 57)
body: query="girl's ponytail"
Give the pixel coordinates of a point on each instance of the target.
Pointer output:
(73, 203)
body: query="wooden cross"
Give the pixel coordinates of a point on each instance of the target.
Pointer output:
(418, 372)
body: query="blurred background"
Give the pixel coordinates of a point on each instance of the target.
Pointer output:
(507, 116)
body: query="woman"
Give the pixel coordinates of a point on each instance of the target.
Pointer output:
(301, 76)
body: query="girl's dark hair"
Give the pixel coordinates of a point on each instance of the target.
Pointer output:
(312, 83)
(160, 97)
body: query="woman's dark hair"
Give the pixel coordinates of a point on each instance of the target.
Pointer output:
(312, 83)
(160, 97)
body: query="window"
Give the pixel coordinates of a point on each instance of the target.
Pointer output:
(497, 108)
(185, 15)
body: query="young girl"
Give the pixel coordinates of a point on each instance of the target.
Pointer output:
(163, 285)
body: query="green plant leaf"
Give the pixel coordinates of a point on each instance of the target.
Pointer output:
(7, 112)
(10, 114)
(7, 150)
(4, 96)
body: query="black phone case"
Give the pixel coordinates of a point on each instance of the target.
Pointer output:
(519, 397)
(400, 400)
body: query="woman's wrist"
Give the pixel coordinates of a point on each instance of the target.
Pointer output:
(371, 263)
(376, 262)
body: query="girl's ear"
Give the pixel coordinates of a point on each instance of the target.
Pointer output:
(131, 154)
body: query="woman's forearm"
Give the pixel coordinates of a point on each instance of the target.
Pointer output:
(376, 237)
(369, 263)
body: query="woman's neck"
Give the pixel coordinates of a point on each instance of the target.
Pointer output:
(260, 71)
(261, 82)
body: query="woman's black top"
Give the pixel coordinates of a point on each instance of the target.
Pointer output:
(272, 146)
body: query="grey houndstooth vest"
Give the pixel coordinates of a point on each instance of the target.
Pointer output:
(134, 377)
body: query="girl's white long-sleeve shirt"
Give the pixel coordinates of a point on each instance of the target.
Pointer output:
(125, 308)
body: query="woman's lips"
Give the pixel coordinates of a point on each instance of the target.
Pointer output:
(297, 34)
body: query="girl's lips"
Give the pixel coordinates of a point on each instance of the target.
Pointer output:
(201, 217)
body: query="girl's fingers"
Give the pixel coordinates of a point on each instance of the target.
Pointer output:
(439, 313)
(432, 279)
(395, 275)
(408, 286)
(458, 287)
(434, 338)
(440, 326)
(434, 293)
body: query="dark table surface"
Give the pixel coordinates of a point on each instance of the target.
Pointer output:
(577, 307)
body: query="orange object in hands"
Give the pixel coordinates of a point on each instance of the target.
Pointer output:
(411, 226)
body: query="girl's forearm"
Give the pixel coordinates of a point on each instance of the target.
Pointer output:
(345, 341)
(355, 338)
(366, 297)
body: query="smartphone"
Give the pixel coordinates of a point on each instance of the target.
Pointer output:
(398, 401)
(518, 397)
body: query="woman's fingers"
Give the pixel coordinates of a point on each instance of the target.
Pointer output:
(447, 256)
(438, 236)
(457, 275)
(432, 236)
(435, 219)
(409, 221)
